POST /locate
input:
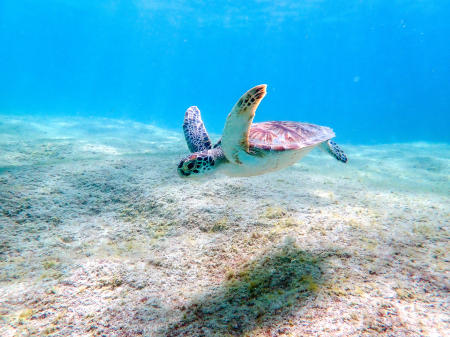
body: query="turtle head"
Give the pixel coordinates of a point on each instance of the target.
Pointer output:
(197, 165)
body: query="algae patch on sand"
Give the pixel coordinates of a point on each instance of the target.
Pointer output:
(261, 290)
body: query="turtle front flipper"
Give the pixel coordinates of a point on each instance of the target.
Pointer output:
(197, 138)
(237, 125)
(334, 150)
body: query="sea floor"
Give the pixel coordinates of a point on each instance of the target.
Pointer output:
(100, 237)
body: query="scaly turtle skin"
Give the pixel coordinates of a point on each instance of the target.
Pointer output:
(197, 138)
(248, 149)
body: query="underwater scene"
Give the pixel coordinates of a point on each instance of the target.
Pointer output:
(224, 168)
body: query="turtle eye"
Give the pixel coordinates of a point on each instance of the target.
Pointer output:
(190, 165)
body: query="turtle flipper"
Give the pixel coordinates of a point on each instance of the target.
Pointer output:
(235, 133)
(334, 150)
(197, 138)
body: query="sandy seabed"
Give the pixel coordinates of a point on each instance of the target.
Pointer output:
(100, 237)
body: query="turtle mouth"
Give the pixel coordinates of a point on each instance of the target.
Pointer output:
(181, 173)
(180, 169)
(194, 167)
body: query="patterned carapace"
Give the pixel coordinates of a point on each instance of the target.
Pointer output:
(281, 135)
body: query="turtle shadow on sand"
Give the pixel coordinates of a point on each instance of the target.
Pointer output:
(260, 295)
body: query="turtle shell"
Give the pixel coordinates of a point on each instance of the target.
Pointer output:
(282, 136)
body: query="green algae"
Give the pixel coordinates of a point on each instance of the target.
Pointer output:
(274, 212)
(261, 291)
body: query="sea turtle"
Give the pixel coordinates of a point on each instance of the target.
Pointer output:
(247, 149)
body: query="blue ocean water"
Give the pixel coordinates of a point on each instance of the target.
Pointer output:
(376, 71)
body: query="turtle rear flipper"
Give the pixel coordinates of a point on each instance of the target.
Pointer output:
(197, 138)
(334, 150)
(235, 134)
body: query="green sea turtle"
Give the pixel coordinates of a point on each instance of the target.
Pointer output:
(247, 149)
